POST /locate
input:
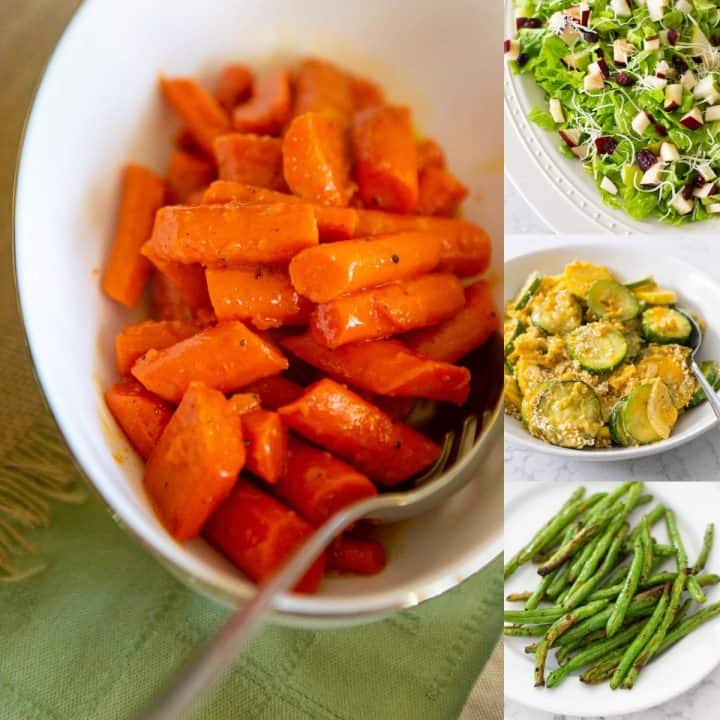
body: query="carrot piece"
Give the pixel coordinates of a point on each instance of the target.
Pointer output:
(385, 367)
(253, 159)
(469, 329)
(348, 554)
(244, 402)
(135, 340)
(196, 462)
(276, 391)
(166, 303)
(365, 93)
(325, 272)
(258, 534)
(323, 87)
(186, 174)
(234, 86)
(317, 485)
(385, 158)
(466, 247)
(261, 294)
(226, 357)
(141, 415)
(430, 154)
(338, 419)
(127, 270)
(334, 223)
(316, 159)
(387, 310)
(184, 140)
(440, 193)
(269, 108)
(220, 235)
(266, 440)
(203, 116)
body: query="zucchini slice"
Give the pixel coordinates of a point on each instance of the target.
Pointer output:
(529, 401)
(513, 328)
(558, 313)
(635, 416)
(527, 291)
(665, 325)
(609, 300)
(657, 296)
(711, 370)
(568, 413)
(661, 412)
(580, 276)
(618, 433)
(597, 347)
(646, 282)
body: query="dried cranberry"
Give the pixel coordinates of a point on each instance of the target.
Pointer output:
(624, 79)
(526, 22)
(699, 181)
(507, 45)
(680, 65)
(590, 36)
(687, 192)
(522, 59)
(600, 53)
(660, 130)
(605, 145)
(673, 36)
(604, 68)
(646, 159)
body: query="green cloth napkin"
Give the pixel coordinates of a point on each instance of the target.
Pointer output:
(97, 632)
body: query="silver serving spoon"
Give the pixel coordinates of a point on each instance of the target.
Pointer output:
(695, 341)
(462, 452)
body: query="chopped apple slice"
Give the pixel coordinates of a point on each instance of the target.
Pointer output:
(556, 110)
(692, 120)
(656, 9)
(713, 208)
(594, 80)
(581, 151)
(512, 49)
(683, 205)
(706, 190)
(608, 186)
(707, 173)
(669, 153)
(571, 137)
(688, 79)
(684, 6)
(622, 50)
(652, 43)
(712, 114)
(641, 122)
(663, 70)
(706, 91)
(653, 176)
(673, 97)
(620, 8)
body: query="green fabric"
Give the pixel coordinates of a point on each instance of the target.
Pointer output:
(96, 633)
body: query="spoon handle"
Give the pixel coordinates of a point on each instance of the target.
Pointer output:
(209, 665)
(710, 393)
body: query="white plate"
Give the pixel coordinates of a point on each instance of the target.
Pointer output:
(696, 291)
(558, 188)
(98, 107)
(527, 506)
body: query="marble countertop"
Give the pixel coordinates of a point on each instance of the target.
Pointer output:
(697, 460)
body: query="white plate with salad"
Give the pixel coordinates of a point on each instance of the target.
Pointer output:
(655, 281)
(616, 105)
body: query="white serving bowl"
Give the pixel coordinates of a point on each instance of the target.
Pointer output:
(696, 291)
(558, 188)
(98, 108)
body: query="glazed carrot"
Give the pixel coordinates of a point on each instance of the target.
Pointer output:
(348, 554)
(258, 534)
(468, 329)
(203, 116)
(323, 87)
(440, 192)
(385, 158)
(269, 107)
(316, 484)
(253, 159)
(166, 302)
(466, 247)
(127, 270)
(324, 272)
(141, 415)
(188, 280)
(266, 440)
(336, 418)
(333, 223)
(261, 294)
(430, 154)
(385, 367)
(316, 159)
(220, 235)
(226, 357)
(365, 93)
(196, 462)
(244, 402)
(135, 340)
(394, 308)
(234, 86)
(186, 174)
(184, 140)
(276, 391)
